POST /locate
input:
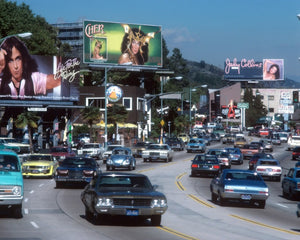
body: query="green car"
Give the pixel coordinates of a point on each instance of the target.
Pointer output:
(11, 182)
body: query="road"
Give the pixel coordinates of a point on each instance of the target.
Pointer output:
(51, 213)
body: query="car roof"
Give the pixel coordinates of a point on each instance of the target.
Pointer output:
(121, 174)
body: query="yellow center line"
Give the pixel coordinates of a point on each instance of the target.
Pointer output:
(264, 225)
(146, 170)
(172, 231)
(200, 201)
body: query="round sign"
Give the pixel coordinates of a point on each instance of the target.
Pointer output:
(114, 93)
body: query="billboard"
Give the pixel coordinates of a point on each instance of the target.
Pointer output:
(108, 43)
(249, 69)
(41, 78)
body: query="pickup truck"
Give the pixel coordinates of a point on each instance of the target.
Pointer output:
(11, 183)
(248, 150)
(93, 150)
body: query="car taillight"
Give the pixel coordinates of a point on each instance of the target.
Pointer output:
(276, 170)
(298, 185)
(62, 172)
(216, 166)
(194, 165)
(259, 169)
(88, 172)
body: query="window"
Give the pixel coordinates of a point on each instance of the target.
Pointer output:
(140, 104)
(96, 102)
(271, 97)
(271, 110)
(127, 103)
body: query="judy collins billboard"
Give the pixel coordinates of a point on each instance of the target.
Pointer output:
(121, 44)
(249, 69)
(32, 77)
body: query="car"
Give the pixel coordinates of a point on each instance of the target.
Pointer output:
(94, 150)
(203, 164)
(176, 144)
(121, 157)
(268, 168)
(11, 183)
(158, 152)
(138, 148)
(291, 183)
(275, 139)
(296, 153)
(298, 210)
(239, 185)
(264, 132)
(123, 194)
(293, 141)
(184, 137)
(249, 150)
(267, 144)
(219, 129)
(228, 138)
(215, 137)
(39, 165)
(108, 151)
(253, 160)
(222, 155)
(61, 152)
(283, 136)
(235, 155)
(76, 170)
(239, 142)
(13, 144)
(196, 145)
(261, 144)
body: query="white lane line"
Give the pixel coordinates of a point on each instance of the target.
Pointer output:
(41, 185)
(32, 191)
(281, 205)
(34, 224)
(26, 210)
(26, 200)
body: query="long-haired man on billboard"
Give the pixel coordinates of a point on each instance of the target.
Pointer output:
(20, 77)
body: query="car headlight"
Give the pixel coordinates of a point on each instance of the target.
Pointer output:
(104, 202)
(109, 161)
(17, 190)
(126, 161)
(164, 153)
(24, 168)
(160, 202)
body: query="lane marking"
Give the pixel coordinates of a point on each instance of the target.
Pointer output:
(264, 225)
(281, 205)
(31, 192)
(34, 225)
(200, 201)
(179, 185)
(26, 210)
(172, 231)
(146, 170)
(42, 184)
(26, 200)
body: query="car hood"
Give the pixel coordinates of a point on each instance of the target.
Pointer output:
(77, 168)
(119, 157)
(37, 163)
(10, 178)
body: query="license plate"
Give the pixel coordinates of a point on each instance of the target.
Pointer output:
(246, 197)
(132, 212)
(35, 171)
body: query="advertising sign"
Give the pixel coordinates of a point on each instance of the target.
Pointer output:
(122, 44)
(114, 93)
(249, 69)
(229, 113)
(288, 109)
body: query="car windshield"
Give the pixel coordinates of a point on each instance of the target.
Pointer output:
(242, 176)
(78, 162)
(233, 150)
(110, 148)
(124, 181)
(196, 141)
(159, 147)
(120, 152)
(268, 163)
(85, 146)
(9, 163)
(39, 158)
(54, 150)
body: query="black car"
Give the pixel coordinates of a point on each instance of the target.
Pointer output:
(205, 165)
(76, 170)
(123, 194)
(176, 144)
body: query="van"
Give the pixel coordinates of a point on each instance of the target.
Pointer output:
(293, 141)
(11, 183)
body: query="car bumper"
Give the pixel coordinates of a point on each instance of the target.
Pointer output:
(244, 196)
(206, 171)
(11, 201)
(63, 179)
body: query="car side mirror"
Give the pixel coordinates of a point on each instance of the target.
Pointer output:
(155, 186)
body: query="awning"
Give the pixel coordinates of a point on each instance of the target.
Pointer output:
(120, 125)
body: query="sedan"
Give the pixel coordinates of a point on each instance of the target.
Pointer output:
(205, 164)
(268, 168)
(76, 170)
(196, 145)
(121, 157)
(123, 194)
(239, 185)
(39, 165)
(157, 152)
(296, 153)
(235, 155)
(291, 183)
(253, 160)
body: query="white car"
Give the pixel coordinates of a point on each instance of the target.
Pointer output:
(293, 141)
(94, 150)
(158, 152)
(108, 151)
(269, 168)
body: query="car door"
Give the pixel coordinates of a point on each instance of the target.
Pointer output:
(287, 181)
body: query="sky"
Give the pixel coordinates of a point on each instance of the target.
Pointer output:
(208, 30)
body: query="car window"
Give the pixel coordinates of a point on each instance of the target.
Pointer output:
(39, 158)
(78, 162)
(9, 163)
(241, 176)
(297, 175)
(123, 181)
(268, 163)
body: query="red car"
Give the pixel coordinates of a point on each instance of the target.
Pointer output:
(61, 152)
(296, 153)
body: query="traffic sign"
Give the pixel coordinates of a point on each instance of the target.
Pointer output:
(162, 122)
(243, 105)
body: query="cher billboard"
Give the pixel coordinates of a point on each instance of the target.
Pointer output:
(32, 77)
(107, 43)
(249, 69)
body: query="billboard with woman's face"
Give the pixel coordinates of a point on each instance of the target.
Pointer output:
(122, 44)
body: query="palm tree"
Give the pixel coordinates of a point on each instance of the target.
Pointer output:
(91, 115)
(116, 114)
(30, 120)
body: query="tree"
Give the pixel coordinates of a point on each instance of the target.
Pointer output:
(91, 115)
(30, 120)
(116, 114)
(19, 18)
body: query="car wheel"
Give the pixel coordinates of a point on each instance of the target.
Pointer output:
(58, 184)
(213, 197)
(156, 220)
(107, 168)
(17, 211)
(130, 168)
(88, 214)
(145, 159)
(291, 194)
(221, 200)
(284, 194)
(262, 204)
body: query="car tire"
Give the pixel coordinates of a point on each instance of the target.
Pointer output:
(156, 220)
(88, 215)
(130, 168)
(262, 204)
(145, 159)
(291, 194)
(213, 197)
(107, 168)
(58, 184)
(221, 200)
(17, 211)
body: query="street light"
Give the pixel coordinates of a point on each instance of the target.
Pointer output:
(193, 90)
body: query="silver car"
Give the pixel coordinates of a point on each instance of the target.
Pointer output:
(158, 152)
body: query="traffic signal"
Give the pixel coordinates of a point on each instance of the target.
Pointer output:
(295, 96)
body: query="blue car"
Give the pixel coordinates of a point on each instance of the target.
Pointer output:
(196, 145)
(76, 170)
(291, 183)
(121, 157)
(235, 155)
